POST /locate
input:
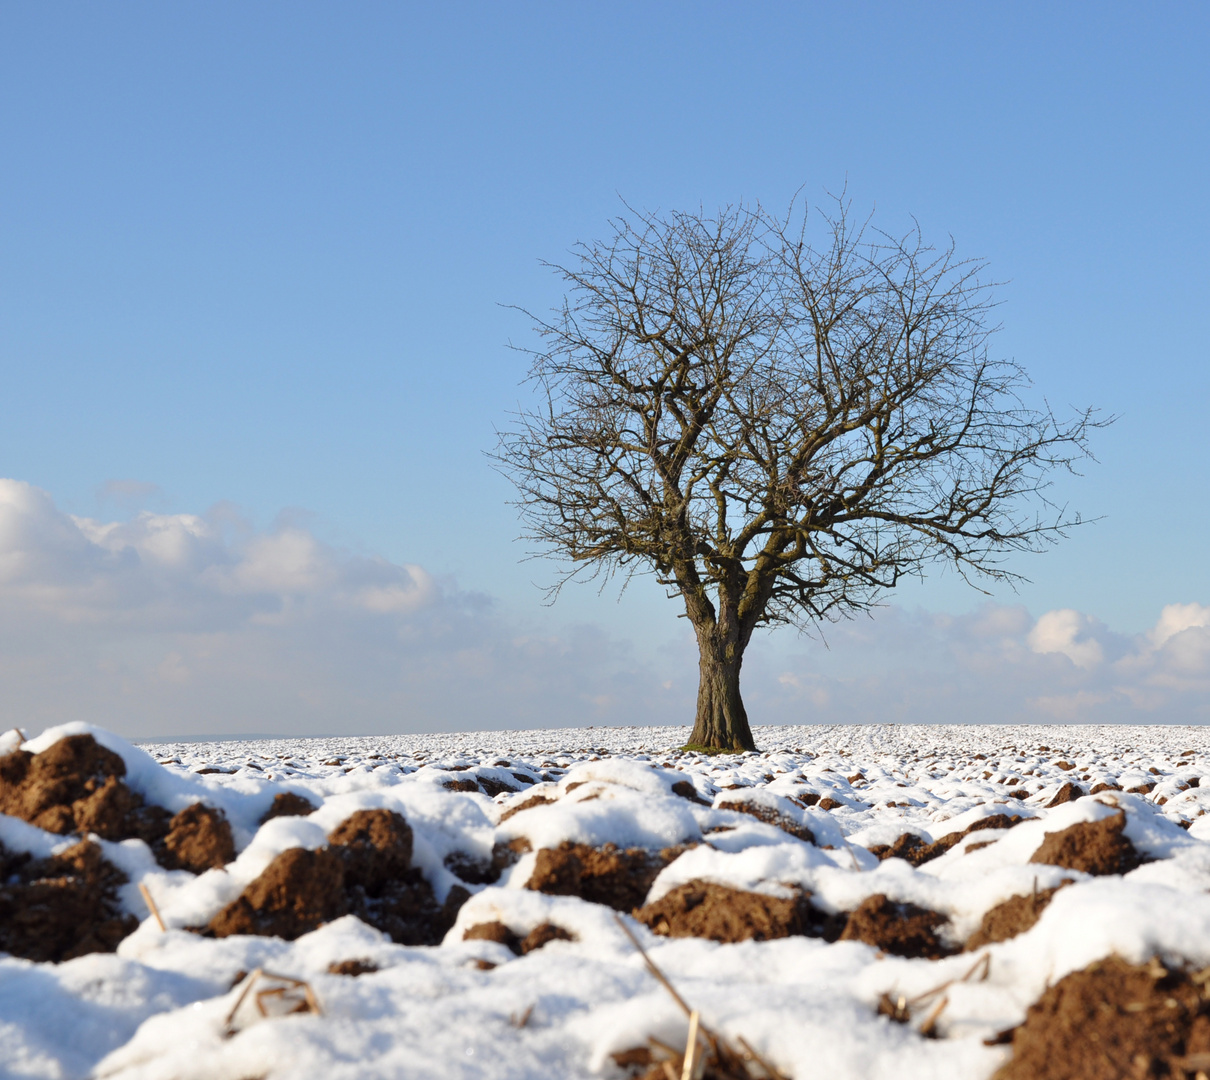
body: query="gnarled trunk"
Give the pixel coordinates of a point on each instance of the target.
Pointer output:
(722, 721)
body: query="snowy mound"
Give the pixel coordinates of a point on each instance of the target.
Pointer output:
(850, 902)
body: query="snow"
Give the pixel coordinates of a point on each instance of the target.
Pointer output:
(158, 1008)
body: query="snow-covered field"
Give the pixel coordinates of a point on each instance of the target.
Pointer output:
(161, 1006)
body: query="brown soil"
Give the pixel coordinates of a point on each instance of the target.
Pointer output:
(535, 939)
(199, 839)
(297, 891)
(460, 784)
(493, 931)
(288, 804)
(375, 846)
(544, 934)
(1069, 792)
(705, 909)
(1111, 1020)
(478, 872)
(902, 929)
(607, 875)
(771, 817)
(1094, 847)
(352, 968)
(61, 907)
(76, 786)
(1104, 785)
(686, 790)
(366, 871)
(525, 804)
(914, 850)
(493, 787)
(1011, 917)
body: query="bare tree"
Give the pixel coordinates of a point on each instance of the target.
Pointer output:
(779, 431)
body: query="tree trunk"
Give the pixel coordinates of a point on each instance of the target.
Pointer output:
(722, 721)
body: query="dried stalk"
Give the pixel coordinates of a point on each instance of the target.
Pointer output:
(725, 1055)
(151, 905)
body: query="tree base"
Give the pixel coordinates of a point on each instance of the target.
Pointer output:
(700, 748)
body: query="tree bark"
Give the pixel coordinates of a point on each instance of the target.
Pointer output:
(722, 721)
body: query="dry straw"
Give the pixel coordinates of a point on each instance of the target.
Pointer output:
(704, 1047)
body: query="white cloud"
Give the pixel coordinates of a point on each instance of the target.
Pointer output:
(188, 623)
(1176, 619)
(194, 623)
(1067, 632)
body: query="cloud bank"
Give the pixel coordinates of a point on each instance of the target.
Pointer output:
(201, 624)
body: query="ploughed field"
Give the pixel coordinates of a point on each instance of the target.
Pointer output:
(851, 902)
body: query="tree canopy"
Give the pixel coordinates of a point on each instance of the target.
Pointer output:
(779, 430)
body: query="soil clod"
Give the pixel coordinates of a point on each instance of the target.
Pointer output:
(1093, 847)
(913, 849)
(352, 968)
(76, 785)
(770, 817)
(366, 871)
(198, 839)
(61, 907)
(288, 804)
(899, 928)
(617, 877)
(1069, 792)
(708, 910)
(1113, 1019)
(1011, 917)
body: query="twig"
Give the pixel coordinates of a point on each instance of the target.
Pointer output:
(656, 973)
(248, 981)
(775, 1074)
(691, 1047)
(150, 902)
(520, 1022)
(930, 1021)
(310, 1002)
(984, 962)
(697, 1029)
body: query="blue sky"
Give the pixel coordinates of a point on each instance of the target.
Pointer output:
(259, 257)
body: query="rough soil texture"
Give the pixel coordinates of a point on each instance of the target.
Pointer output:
(525, 804)
(1069, 792)
(288, 804)
(297, 891)
(365, 871)
(705, 909)
(1114, 1019)
(352, 968)
(686, 790)
(1011, 917)
(914, 850)
(76, 785)
(198, 839)
(619, 878)
(477, 872)
(61, 907)
(535, 939)
(771, 817)
(1094, 847)
(902, 929)
(376, 847)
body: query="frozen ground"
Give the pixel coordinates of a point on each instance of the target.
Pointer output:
(159, 1007)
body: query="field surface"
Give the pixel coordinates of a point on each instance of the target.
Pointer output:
(850, 902)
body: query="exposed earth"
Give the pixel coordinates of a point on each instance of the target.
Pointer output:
(850, 902)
